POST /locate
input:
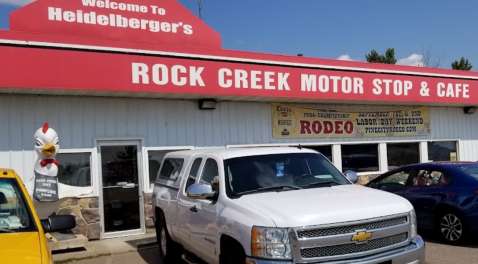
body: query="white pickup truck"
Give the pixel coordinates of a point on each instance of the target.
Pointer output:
(276, 205)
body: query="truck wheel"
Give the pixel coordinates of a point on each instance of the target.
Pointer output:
(452, 227)
(235, 255)
(169, 251)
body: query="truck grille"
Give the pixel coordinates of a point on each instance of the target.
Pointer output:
(351, 228)
(352, 247)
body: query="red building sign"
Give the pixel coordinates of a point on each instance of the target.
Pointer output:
(159, 47)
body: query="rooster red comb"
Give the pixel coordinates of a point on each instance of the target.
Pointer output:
(45, 128)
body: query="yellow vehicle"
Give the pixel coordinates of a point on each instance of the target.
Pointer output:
(22, 233)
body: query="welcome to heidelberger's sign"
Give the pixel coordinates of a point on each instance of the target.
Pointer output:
(297, 122)
(165, 21)
(117, 20)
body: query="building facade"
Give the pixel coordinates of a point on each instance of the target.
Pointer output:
(119, 103)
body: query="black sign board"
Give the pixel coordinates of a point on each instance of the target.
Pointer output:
(46, 188)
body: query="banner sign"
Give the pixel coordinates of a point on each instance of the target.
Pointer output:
(78, 70)
(297, 122)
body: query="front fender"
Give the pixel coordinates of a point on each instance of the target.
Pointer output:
(236, 221)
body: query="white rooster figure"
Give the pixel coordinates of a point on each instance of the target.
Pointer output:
(44, 187)
(46, 166)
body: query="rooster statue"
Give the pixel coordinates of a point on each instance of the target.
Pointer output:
(44, 187)
(46, 166)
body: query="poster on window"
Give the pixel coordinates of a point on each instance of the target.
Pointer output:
(300, 122)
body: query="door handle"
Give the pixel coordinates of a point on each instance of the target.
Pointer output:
(193, 209)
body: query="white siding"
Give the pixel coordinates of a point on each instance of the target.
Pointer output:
(79, 120)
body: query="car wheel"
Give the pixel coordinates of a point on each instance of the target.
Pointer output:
(169, 251)
(452, 227)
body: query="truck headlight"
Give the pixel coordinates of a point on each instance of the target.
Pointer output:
(271, 243)
(413, 224)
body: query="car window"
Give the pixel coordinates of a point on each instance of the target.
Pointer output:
(429, 178)
(171, 169)
(193, 173)
(210, 173)
(397, 179)
(15, 216)
(471, 170)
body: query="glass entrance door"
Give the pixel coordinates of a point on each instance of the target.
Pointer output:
(121, 194)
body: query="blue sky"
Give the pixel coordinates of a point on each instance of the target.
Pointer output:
(339, 28)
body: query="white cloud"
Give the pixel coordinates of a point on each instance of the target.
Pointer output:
(412, 60)
(16, 2)
(345, 57)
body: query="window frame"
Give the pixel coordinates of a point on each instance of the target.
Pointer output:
(147, 185)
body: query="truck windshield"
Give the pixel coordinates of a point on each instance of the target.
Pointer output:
(14, 213)
(280, 172)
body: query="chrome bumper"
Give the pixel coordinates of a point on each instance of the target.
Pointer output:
(414, 253)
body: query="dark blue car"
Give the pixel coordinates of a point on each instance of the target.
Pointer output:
(444, 195)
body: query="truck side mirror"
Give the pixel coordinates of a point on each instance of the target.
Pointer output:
(352, 176)
(58, 223)
(201, 191)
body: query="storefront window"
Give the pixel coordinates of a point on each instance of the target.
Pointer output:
(324, 150)
(401, 154)
(360, 158)
(74, 169)
(442, 151)
(155, 157)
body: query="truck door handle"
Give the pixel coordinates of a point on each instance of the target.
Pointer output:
(193, 209)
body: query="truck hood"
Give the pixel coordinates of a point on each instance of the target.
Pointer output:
(326, 205)
(20, 248)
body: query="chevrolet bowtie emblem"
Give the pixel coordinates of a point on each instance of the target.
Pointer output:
(361, 237)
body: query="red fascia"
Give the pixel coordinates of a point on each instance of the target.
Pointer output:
(60, 39)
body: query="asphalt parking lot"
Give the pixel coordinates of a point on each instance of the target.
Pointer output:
(439, 253)
(436, 253)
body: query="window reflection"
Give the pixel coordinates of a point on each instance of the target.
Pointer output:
(360, 158)
(74, 169)
(324, 150)
(401, 154)
(155, 157)
(442, 151)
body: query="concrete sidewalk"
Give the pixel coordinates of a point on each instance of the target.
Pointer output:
(106, 247)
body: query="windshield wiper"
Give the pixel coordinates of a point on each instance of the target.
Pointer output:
(324, 183)
(3, 230)
(279, 187)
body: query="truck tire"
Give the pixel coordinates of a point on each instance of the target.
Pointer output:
(169, 251)
(234, 255)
